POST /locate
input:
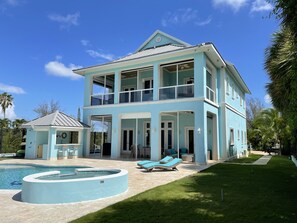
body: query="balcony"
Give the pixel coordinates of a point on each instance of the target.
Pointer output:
(102, 99)
(210, 94)
(140, 95)
(176, 92)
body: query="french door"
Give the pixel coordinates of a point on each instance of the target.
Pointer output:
(189, 139)
(167, 135)
(127, 140)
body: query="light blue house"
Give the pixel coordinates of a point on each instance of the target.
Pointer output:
(168, 94)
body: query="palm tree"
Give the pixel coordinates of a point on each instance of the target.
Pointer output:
(5, 102)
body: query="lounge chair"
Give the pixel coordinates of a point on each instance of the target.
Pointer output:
(166, 159)
(171, 165)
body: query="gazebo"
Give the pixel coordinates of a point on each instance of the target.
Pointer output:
(54, 136)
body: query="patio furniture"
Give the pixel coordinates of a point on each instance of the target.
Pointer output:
(97, 148)
(166, 159)
(183, 151)
(187, 157)
(171, 165)
(171, 152)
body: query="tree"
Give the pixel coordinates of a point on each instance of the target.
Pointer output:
(47, 108)
(5, 102)
(253, 108)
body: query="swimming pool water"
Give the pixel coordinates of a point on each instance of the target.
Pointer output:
(11, 175)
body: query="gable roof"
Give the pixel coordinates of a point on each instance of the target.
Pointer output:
(159, 38)
(57, 119)
(151, 52)
(234, 72)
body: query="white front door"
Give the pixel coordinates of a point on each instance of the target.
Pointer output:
(127, 140)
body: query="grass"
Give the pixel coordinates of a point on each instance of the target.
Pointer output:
(250, 194)
(252, 158)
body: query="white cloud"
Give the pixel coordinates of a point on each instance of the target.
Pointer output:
(205, 22)
(11, 89)
(261, 5)
(65, 21)
(85, 42)
(267, 99)
(234, 4)
(97, 54)
(56, 68)
(181, 16)
(9, 113)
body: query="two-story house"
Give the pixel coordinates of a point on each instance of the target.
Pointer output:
(168, 94)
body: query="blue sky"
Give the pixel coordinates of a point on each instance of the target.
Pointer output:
(42, 41)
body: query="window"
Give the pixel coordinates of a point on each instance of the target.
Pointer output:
(238, 134)
(237, 93)
(241, 137)
(147, 84)
(243, 103)
(227, 86)
(231, 136)
(233, 92)
(240, 101)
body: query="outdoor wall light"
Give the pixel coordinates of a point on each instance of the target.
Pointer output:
(199, 130)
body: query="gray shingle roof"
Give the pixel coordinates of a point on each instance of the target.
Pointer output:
(58, 119)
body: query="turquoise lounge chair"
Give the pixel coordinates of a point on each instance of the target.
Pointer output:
(171, 165)
(166, 159)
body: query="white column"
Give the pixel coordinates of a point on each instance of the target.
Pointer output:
(136, 139)
(177, 132)
(155, 136)
(156, 82)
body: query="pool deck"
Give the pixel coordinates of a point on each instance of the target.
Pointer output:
(13, 210)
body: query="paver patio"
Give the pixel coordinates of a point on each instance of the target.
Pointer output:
(13, 210)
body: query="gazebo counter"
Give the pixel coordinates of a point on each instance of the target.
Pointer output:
(68, 151)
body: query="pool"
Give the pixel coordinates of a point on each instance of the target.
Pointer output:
(11, 175)
(83, 185)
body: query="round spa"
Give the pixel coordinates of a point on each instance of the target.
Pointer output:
(84, 185)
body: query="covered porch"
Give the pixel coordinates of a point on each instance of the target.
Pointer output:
(54, 137)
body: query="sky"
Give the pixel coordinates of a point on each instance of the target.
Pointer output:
(41, 42)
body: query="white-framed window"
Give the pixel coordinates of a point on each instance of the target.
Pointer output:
(240, 101)
(241, 137)
(237, 94)
(238, 134)
(233, 92)
(231, 136)
(243, 101)
(227, 86)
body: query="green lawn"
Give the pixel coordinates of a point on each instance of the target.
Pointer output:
(251, 194)
(252, 158)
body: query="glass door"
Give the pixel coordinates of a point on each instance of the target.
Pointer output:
(127, 140)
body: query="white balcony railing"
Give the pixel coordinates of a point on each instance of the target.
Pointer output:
(136, 95)
(176, 92)
(102, 99)
(210, 94)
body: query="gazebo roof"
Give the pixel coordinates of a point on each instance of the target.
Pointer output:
(56, 119)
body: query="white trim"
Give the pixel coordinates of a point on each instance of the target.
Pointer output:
(135, 115)
(147, 102)
(163, 34)
(228, 106)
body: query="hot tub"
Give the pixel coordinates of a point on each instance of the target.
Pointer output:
(86, 184)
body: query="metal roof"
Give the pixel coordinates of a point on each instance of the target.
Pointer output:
(150, 52)
(58, 119)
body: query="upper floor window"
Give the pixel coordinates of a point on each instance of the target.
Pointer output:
(240, 101)
(233, 92)
(227, 85)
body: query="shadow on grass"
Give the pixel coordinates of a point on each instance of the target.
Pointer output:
(250, 194)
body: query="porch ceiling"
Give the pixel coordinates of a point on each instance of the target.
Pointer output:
(136, 115)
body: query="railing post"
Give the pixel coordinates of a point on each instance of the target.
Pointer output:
(175, 88)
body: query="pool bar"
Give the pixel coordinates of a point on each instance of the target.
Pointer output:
(86, 184)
